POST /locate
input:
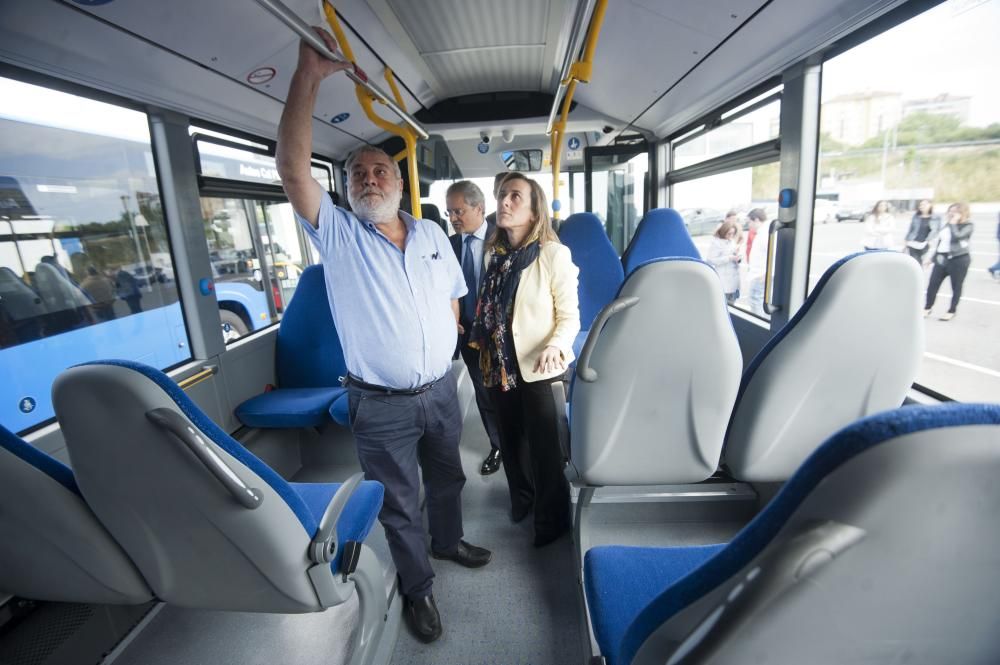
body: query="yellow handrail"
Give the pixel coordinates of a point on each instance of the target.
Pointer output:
(365, 99)
(579, 72)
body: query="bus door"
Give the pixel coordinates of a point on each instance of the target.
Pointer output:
(616, 185)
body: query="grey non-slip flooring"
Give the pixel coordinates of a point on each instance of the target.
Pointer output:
(521, 609)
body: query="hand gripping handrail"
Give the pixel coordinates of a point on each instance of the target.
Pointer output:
(580, 71)
(365, 99)
(290, 19)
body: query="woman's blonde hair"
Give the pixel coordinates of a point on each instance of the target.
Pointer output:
(541, 223)
(963, 210)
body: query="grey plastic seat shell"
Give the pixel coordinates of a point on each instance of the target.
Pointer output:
(52, 547)
(911, 576)
(855, 352)
(194, 544)
(668, 369)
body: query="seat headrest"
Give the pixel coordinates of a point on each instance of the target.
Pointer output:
(661, 233)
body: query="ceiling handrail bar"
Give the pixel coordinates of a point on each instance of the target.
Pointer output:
(365, 99)
(303, 30)
(578, 34)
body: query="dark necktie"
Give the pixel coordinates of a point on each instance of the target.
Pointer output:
(469, 270)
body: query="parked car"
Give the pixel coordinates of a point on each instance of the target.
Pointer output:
(825, 211)
(701, 221)
(855, 211)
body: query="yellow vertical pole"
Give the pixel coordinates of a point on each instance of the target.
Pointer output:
(580, 71)
(365, 100)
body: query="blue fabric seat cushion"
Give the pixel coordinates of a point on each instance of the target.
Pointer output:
(48, 465)
(621, 581)
(850, 441)
(339, 411)
(359, 514)
(289, 407)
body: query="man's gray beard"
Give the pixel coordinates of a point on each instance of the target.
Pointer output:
(376, 211)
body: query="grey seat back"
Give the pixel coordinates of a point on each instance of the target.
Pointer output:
(656, 382)
(882, 548)
(52, 547)
(851, 350)
(195, 544)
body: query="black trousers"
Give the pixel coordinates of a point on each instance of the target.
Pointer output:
(394, 433)
(532, 459)
(955, 268)
(487, 412)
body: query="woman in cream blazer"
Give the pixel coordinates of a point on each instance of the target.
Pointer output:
(526, 320)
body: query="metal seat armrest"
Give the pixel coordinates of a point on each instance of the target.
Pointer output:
(324, 544)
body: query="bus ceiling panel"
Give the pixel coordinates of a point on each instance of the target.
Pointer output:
(479, 45)
(489, 69)
(782, 33)
(59, 40)
(645, 47)
(247, 45)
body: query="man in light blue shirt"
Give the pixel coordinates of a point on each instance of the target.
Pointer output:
(393, 284)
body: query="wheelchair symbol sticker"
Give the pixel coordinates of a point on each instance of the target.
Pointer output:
(483, 148)
(574, 143)
(26, 405)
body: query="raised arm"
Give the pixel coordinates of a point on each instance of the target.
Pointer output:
(294, 147)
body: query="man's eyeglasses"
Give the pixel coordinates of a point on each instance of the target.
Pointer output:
(456, 212)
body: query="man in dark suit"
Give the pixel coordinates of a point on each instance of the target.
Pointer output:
(466, 207)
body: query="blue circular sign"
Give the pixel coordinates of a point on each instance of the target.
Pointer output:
(483, 148)
(340, 117)
(574, 143)
(26, 405)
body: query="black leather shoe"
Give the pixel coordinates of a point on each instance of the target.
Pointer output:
(467, 555)
(422, 615)
(543, 538)
(492, 463)
(518, 514)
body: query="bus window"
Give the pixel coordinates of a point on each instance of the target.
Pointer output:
(283, 245)
(85, 264)
(237, 268)
(739, 197)
(909, 117)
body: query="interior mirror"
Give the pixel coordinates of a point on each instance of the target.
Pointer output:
(522, 160)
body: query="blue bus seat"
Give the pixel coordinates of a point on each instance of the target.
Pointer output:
(852, 349)
(208, 524)
(660, 234)
(52, 547)
(838, 568)
(655, 383)
(601, 273)
(309, 362)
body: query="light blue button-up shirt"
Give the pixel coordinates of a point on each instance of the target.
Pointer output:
(392, 309)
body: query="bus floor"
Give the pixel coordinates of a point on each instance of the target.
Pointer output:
(522, 609)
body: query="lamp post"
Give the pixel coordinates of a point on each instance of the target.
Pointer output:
(135, 237)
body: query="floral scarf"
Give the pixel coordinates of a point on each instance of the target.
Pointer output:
(491, 332)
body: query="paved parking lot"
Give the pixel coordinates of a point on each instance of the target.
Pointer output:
(962, 358)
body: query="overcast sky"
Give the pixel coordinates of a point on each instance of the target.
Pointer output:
(953, 48)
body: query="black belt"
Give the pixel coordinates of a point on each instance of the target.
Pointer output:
(358, 383)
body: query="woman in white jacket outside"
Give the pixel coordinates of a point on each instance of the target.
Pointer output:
(526, 320)
(725, 252)
(880, 228)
